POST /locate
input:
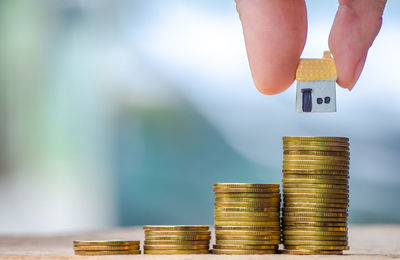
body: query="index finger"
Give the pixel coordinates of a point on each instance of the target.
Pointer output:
(275, 33)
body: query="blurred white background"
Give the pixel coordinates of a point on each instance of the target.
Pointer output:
(125, 112)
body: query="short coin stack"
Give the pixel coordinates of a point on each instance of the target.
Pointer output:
(246, 218)
(174, 240)
(315, 195)
(106, 247)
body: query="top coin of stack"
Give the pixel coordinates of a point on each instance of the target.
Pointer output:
(246, 218)
(106, 247)
(173, 240)
(315, 194)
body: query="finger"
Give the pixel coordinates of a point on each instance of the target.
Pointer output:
(275, 33)
(356, 25)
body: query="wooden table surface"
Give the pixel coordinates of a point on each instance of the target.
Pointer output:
(366, 242)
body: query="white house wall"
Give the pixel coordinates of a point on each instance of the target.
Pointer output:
(320, 89)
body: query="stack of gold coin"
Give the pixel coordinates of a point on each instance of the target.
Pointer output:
(247, 218)
(106, 247)
(315, 195)
(176, 240)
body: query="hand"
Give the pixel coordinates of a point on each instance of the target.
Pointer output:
(275, 33)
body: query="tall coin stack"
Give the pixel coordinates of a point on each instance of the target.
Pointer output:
(315, 195)
(174, 240)
(106, 247)
(246, 218)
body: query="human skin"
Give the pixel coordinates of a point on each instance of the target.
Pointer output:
(275, 33)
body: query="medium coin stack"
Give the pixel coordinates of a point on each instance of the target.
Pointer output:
(315, 195)
(246, 218)
(176, 240)
(106, 247)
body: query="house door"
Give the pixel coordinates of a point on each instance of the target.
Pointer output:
(307, 99)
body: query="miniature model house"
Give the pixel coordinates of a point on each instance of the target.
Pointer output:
(316, 85)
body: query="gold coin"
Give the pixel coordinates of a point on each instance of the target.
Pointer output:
(292, 202)
(249, 242)
(316, 186)
(177, 233)
(246, 190)
(318, 191)
(313, 188)
(291, 162)
(181, 228)
(105, 242)
(295, 191)
(315, 138)
(246, 185)
(246, 247)
(255, 200)
(314, 228)
(176, 247)
(314, 242)
(313, 223)
(247, 223)
(318, 165)
(242, 251)
(311, 252)
(247, 195)
(319, 219)
(315, 148)
(247, 214)
(290, 176)
(287, 181)
(321, 205)
(232, 237)
(175, 252)
(106, 248)
(315, 200)
(247, 218)
(316, 195)
(342, 173)
(105, 252)
(248, 204)
(315, 214)
(314, 233)
(314, 167)
(316, 247)
(317, 238)
(316, 157)
(307, 169)
(176, 242)
(183, 237)
(247, 233)
(312, 209)
(247, 228)
(326, 145)
(318, 174)
(299, 156)
(317, 153)
(315, 162)
(247, 209)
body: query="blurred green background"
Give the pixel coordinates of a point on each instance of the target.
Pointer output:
(117, 113)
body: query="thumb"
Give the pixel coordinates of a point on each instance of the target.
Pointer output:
(356, 25)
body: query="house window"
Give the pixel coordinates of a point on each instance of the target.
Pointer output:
(319, 101)
(327, 100)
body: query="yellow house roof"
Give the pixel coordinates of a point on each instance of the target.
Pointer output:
(316, 69)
